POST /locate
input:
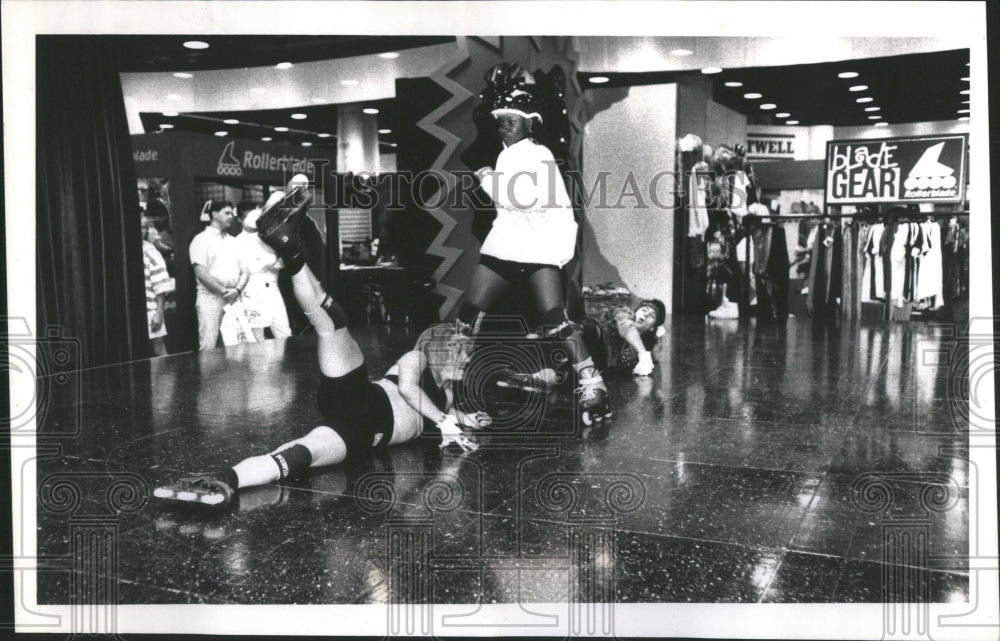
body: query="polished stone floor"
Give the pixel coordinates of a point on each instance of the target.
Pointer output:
(793, 463)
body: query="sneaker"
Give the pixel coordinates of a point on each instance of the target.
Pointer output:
(593, 403)
(203, 489)
(279, 222)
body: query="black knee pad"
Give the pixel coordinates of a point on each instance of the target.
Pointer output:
(293, 460)
(335, 312)
(556, 323)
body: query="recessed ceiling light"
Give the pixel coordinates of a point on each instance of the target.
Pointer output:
(964, 92)
(371, 111)
(752, 96)
(865, 99)
(170, 114)
(680, 52)
(768, 106)
(966, 79)
(598, 80)
(183, 74)
(791, 122)
(349, 83)
(858, 88)
(166, 125)
(963, 118)
(299, 116)
(196, 44)
(847, 74)
(783, 114)
(388, 55)
(266, 139)
(221, 133)
(881, 124)
(283, 65)
(173, 96)
(734, 83)
(873, 108)
(257, 90)
(385, 131)
(307, 144)
(231, 121)
(318, 101)
(711, 70)
(876, 117)
(964, 102)
(392, 144)
(963, 111)
(281, 129)
(323, 135)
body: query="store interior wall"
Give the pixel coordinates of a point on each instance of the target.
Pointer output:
(633, 140)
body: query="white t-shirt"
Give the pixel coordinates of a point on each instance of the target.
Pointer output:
(534, 222)
(218, 252)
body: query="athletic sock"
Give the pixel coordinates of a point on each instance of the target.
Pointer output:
(229, 477)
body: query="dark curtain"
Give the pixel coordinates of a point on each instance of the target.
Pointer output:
(90, 279)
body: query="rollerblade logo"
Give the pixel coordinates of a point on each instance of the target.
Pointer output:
(228, 164)
(930, 178)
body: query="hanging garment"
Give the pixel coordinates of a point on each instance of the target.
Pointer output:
(824, 272)
(914, 247)
(848, 267)
(699, 188)
(931, 283)
(885, 251)
(874, 274)
(771, 267)
(897, 263)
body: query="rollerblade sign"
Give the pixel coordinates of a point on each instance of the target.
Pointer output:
(894, 170)
(232, 163)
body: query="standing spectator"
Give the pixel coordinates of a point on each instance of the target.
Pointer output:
(157, 286)
(215, 257)
(261, 298)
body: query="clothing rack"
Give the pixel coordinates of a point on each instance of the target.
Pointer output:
(863, 215)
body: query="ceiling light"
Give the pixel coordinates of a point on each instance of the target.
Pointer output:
(858, 88)
(791, 122)
(847, 74)
(388, 55)
(964, 92)
(221, 133)
(281, 129)
(349, 83)
(196, 44)
(231, 121)
(257, 90)
(783, 114)
(182, 74)
(392, 144)
(318, 101)
(881, 124)
(283, 65)
(681, 52)
(865, 99)
(752, 96)
(170, 114)
(966, 79)
(963, 111)
(173, 96)
(371, 111)
(963, 118)
(710, 70)
(385, 131)
(599, 80)
(873, 108)
(734, 83)
(307, 144)
(299, 116)
(964, 102)
(768, 106)
(876, 117)
(323, 135)
(166, 125)
(266, 139)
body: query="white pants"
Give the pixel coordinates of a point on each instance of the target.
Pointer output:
(210, 312)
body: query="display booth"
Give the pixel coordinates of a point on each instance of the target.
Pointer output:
(179, 171)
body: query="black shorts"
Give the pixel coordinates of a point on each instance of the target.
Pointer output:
(511, 271)
(357, 410)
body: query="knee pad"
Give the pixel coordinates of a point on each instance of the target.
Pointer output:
(293, 460)
(335, 312)
(557, 323)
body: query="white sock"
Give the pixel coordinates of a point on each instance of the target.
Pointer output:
(257, 470)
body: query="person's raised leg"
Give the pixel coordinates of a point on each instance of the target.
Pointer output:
(484, 290)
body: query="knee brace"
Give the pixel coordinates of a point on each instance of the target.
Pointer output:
(292, 460)
(335, 312)
(556, 323)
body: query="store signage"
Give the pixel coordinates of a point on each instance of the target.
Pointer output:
(151, 155)
(254, 161)
(895, 170)
(770, 146)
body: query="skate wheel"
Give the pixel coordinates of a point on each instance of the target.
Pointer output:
(586, 418)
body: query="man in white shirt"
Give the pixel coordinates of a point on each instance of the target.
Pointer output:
(215, 257)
